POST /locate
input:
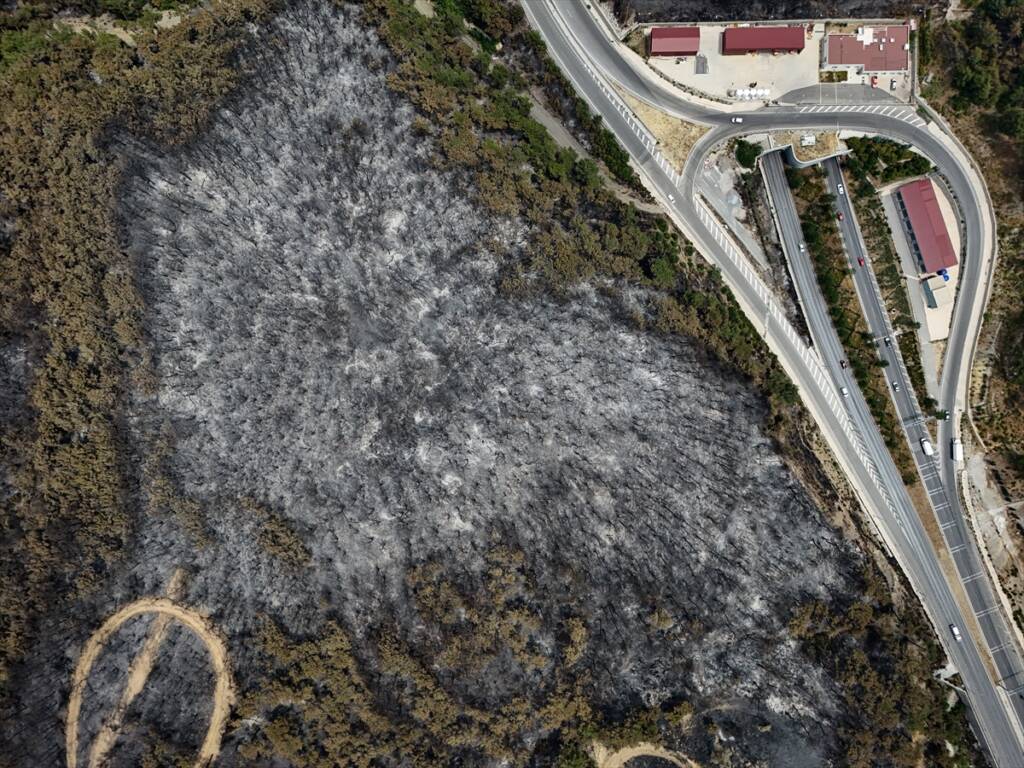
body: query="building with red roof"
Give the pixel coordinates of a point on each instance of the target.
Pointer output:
(675, 41)
(739, 40)
(922, 217)
(872, 49)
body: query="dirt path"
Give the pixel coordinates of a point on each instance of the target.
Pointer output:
(606, 759)
(138, 673)
(167, 611)
(563, 138)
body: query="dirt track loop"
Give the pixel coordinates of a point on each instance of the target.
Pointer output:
(619, 758)
(167, 611)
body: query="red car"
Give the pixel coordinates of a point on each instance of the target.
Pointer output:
(840, 215)
(860, 260)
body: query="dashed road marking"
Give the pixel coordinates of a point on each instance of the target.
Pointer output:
(905, 114)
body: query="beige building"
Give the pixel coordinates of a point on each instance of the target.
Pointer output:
(937, 292)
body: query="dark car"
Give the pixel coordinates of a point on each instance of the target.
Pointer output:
(860, 260)
(839, 215)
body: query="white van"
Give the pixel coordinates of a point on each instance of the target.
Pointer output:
(926, 446)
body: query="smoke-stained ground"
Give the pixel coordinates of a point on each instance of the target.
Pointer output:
(332, 354)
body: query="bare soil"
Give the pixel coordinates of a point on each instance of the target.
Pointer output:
(675, 137)
(167, 610)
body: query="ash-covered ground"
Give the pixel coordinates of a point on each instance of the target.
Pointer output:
(331, 349)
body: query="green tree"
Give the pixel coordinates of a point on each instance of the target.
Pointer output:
(746, 153)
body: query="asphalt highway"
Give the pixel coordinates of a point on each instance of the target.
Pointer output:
(959, 540)
(825, 339)
(594, 66)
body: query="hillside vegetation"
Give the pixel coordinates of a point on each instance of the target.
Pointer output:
(973, 72)
(461, 455)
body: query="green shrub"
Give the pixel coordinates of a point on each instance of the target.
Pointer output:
(746, 153)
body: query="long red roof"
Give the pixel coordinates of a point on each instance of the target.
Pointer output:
(675, 41)
(751, 39)
(928, 225)
(885, 53)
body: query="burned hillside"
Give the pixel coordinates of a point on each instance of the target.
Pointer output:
(433, 522)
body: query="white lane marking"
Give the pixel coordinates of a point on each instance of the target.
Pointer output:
(972, 577)
(987, 611)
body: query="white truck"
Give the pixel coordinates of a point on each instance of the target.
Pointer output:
(957, 449)
(926, 446)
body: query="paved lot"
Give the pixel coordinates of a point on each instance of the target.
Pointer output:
(840, 93)
(782, 73)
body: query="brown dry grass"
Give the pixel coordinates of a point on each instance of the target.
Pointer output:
(827, 144)
(675, 137)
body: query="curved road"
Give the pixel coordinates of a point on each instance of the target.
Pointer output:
(594, 64)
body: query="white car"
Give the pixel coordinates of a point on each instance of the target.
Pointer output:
(845, 392)
(926, 446)
(801, 247)
(737, 119)
(671, 198)
(956, 633)
(841, 189)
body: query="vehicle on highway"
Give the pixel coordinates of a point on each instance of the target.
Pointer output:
(860, 260)
(801, 247)
(956, 633)
(895, 386)
(945, 415)
(888, 341)
(842, 364)
(737, 119)
(999, 728)
(956, 449)
(844, 391)
(840, 216)
(926, 446)
(671, 198)
(841, 189)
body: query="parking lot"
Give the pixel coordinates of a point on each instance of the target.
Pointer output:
(780, 73)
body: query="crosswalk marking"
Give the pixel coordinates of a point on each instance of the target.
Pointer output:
(905, 114)
(854, 436)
